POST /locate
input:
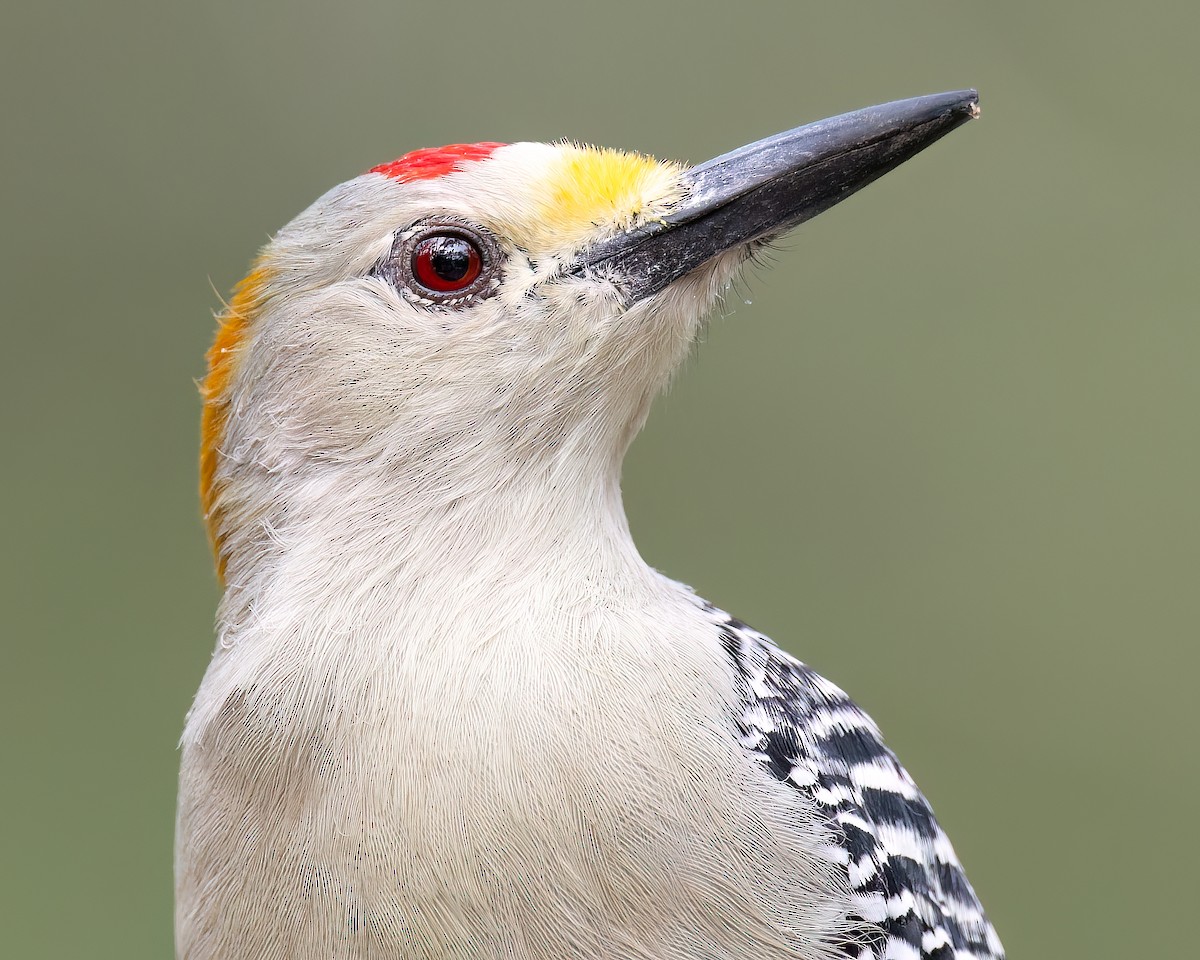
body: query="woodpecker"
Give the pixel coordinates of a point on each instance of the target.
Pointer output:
(451, 712)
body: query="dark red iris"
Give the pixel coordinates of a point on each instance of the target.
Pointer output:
(446, 262)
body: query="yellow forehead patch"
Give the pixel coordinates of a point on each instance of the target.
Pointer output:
(592, 190)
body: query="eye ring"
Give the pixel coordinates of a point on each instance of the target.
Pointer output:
(443, 260)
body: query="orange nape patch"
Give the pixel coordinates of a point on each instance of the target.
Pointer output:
(434, 161)
(223, 356)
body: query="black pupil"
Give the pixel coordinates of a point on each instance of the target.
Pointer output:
(450, 257)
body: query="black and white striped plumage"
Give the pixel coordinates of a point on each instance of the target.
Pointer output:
(913, 899)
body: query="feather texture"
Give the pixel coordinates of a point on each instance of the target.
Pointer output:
(912, 898)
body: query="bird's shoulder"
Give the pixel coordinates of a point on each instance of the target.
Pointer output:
(913, 900)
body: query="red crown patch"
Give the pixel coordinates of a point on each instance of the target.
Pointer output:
(434, 161)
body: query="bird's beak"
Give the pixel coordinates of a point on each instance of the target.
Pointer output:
(763, 189)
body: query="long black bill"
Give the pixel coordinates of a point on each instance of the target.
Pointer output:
(765, 188)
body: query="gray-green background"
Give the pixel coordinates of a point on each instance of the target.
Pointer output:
(948, 454)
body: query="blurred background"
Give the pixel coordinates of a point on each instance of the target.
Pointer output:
(944, 449)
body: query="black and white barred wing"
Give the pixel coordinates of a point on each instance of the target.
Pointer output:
(912, 897)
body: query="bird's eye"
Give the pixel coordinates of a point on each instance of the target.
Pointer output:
(446, 262)
(443, 261)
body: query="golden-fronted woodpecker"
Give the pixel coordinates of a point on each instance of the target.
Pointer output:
(452, 714)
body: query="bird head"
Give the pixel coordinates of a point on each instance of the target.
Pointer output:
(470, 317)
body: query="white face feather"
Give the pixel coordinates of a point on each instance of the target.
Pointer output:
(552, 373)
(545, 354)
